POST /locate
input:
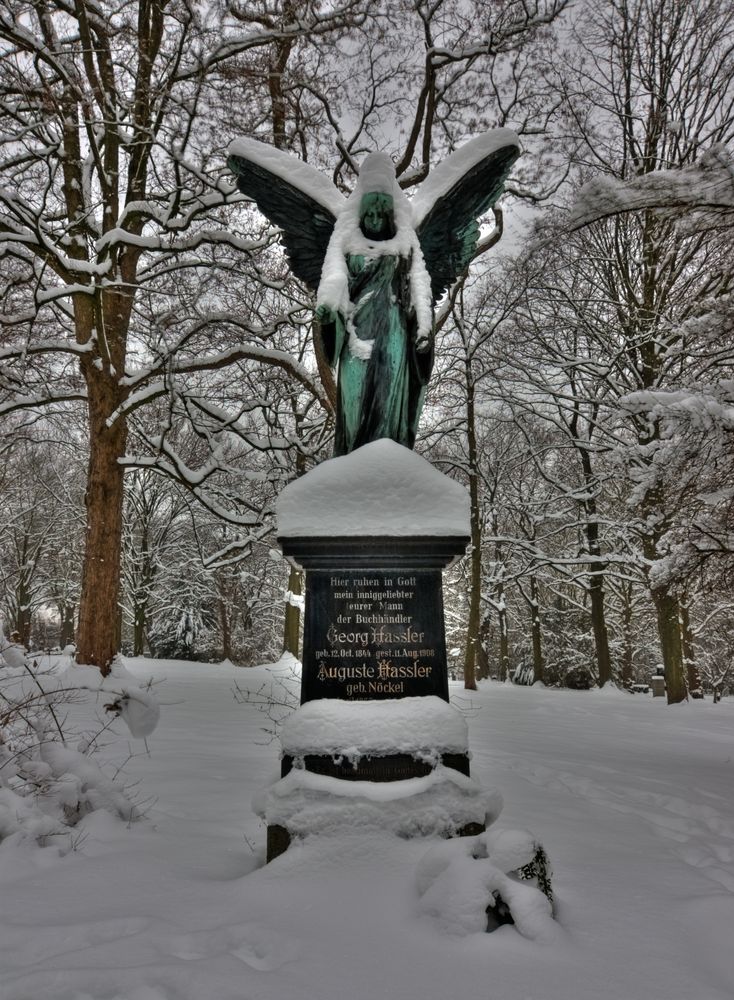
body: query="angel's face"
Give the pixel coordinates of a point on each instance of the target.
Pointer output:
(376, 215)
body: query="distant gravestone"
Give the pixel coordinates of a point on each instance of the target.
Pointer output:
(657, 682)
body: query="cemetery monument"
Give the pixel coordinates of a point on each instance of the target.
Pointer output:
(375, 741)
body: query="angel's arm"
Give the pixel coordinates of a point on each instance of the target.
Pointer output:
(331, 329)
(294, 196)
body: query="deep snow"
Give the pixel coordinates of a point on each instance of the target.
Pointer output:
(632, 799)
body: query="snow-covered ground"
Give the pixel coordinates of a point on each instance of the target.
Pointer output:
(633, 800)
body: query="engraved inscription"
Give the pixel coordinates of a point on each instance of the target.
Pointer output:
(374, 635)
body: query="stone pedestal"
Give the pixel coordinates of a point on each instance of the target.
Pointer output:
(373, 531)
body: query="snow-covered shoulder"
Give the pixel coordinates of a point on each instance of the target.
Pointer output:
(380, 489)
(440, 181)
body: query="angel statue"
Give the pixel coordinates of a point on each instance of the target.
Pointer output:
(378, 263)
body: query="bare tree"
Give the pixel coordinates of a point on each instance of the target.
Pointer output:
(650, 87)
(110, 189)
(132, 282)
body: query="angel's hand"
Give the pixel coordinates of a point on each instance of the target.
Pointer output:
(325, 315)
(423, 343)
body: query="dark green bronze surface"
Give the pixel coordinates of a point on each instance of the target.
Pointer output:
(382, 382)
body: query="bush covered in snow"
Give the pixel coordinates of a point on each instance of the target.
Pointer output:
(579, 679)
(49, 779)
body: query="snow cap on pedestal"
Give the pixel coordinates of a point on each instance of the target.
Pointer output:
(379, 489)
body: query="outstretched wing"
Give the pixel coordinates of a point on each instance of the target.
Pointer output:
(294, 196)
(455, 195)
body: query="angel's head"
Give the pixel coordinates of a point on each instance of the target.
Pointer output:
(377, 216)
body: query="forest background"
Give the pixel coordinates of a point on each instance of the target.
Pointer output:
(158, 384)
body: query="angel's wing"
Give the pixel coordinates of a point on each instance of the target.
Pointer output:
(294, 196)
(455, 195)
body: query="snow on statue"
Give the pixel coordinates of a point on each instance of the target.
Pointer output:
(378, 263)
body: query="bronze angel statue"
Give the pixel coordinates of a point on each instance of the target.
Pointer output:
(378, 263)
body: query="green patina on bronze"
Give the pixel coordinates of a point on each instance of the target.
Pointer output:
(383, 377)
(383, 370)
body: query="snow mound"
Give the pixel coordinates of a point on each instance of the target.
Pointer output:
(464, 883)
(21, 818)
(47, 795)
(139, 711)
(381, 488)
(12, 654)
(439, 804)
(419, 726)
(47, 785)
(135, 705)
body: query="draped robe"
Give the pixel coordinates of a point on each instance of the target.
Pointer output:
(382, 378)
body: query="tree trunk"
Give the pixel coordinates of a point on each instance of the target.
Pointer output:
(599, 626)
(693, 678)
(499, 591)
(475, 570)
(292, 614)
(278, 63)
(144, 586)
(667, 605)
(139, 623)
(538, 663)
(504, 642)
(596, 580)
(66, 611)
(627, 646)
(97, 640)
(480, 652)
(671, 646)
(225, 626)
(472, 626)
(23, 616)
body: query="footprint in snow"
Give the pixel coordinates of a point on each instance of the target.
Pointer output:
(258, 946)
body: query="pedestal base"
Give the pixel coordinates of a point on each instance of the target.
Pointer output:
(375, 744)
(279, 839)
(400, 766)
(396, 767)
